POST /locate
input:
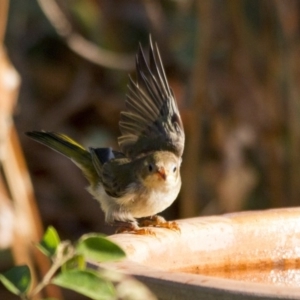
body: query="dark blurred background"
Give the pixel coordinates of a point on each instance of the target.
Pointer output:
(234, 68)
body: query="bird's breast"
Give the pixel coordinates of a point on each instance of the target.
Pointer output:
(151, 201)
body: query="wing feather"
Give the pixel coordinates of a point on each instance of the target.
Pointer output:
(152, 120)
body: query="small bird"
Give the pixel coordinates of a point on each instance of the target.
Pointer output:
(142, 179)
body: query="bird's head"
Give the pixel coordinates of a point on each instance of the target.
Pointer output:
(160, 168)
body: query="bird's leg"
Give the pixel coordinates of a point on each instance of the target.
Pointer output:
(126, 223)
(123, 226)
(159, 221)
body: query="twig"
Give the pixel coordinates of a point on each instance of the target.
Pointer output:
(82, 46)
(189, 203)
(64, 253)
(288, 15)
(3, 19)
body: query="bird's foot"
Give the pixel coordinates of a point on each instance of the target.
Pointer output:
(143, 231)
(160, 222)
(135, 229)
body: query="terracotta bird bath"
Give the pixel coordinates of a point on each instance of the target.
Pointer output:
(248, 255)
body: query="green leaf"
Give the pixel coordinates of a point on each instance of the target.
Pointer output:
(49, 242)
(17, 280)
(88, 283)
(76, 262)
(96, 247)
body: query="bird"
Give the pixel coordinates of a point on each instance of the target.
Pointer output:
(141, 179)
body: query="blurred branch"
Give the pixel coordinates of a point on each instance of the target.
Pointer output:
(82, 46)
(3, 19)
(190, 198)
(158, 25)
(288, 15)
(155, 15)
(263, 91)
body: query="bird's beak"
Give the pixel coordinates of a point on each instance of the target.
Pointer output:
(162, 173)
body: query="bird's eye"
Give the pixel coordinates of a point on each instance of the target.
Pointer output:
(174, 169)
(150, 167)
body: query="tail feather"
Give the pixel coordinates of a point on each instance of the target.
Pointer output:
(69, 148)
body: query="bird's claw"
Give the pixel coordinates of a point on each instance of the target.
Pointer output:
(136, 230)
(169, 225)
(160, 222)
(146, 225)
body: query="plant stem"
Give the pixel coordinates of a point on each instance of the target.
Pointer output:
(65, 252)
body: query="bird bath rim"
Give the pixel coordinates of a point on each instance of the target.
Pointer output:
(244, 238)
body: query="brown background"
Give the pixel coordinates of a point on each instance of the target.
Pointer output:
(233, 65)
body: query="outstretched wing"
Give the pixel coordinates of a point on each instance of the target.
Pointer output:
(151, 121)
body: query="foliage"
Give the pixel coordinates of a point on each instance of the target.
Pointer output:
(70, 269)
